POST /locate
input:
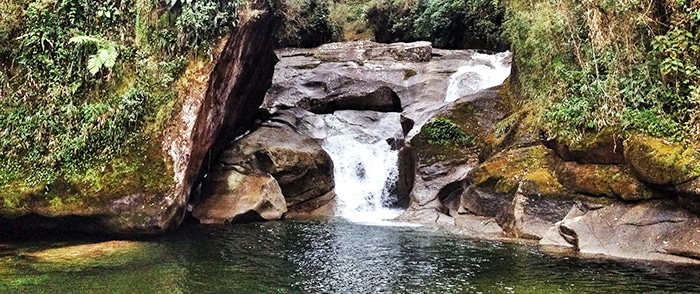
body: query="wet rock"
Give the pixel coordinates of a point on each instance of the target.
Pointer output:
(654, 230)
(234, 197)
(531, 214)
(323, 205)
(381, 99)
(478, 202)
(481, 227)
(85, 253)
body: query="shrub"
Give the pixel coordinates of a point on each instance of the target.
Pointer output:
(446, 23)
(442, 131)
(593, 64)
(306, 23)
(82, 80)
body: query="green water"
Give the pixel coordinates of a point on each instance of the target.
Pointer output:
(327, 256)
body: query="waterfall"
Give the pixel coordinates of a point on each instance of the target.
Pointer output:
(483, 71)
(364, 165)
(365, 174)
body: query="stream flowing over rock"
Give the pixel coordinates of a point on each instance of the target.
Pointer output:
(359, 100)
(613, 192)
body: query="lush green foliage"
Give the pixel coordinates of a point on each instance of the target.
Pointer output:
(306, 23)
(351, 15)
(598, 63)
(446, 23)
(442, 131)
(83, 82)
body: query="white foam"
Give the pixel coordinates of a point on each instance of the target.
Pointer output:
(482, 72)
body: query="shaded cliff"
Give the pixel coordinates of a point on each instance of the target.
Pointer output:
(143, 186)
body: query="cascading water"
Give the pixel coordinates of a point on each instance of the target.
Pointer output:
(364, 172)
(483, 71)
(364, 165)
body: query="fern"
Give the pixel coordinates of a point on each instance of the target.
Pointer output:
(106, 55)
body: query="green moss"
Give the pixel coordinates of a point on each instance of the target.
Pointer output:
(442, 131)
(70, 138)
(408, 73)
(661, 162)
(504, 172)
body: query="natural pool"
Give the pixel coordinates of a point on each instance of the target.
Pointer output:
(321, 256)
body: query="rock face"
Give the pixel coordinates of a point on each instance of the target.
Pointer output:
(236, 197)
(223, 95)
(234, 91)
(276, 149)
(441, 169)
(357, 75)
(654, 230)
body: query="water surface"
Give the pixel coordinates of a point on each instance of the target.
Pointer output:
(323, 256)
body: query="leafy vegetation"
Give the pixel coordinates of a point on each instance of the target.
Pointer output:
(446, 23)
(84, 85)
(587, 65)
(307, 23)
(442, 131)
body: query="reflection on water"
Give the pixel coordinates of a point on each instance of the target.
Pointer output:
(319, 256)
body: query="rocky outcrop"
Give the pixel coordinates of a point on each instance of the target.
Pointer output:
(611, 193)
(234, 90)
(441, 169)
(655, 230)
(293, 161)
(235, 197)
(151, 194)
(357, 75)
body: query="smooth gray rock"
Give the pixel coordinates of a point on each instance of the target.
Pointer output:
(654, 230)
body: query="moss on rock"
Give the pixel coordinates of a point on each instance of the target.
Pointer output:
(660, 162)
(504, 172)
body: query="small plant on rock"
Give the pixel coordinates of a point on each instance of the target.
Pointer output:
(442, 131)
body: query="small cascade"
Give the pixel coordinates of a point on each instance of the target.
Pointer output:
(365, 174)
(364, 165)
(483, 71)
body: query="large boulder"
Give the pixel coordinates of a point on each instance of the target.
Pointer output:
(654, 230)
(298, 163)
(235, 197)
(148, 193)
(659, 162)
(442, 167)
